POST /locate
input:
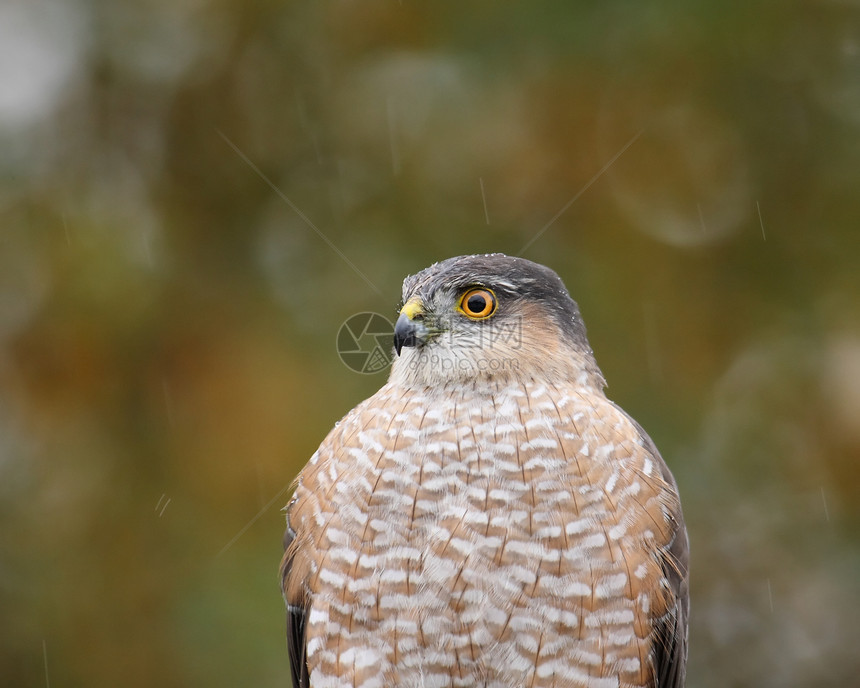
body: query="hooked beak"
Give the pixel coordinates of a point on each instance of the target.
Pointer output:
(409, 330)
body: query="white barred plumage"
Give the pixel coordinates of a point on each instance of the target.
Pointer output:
(498, 528)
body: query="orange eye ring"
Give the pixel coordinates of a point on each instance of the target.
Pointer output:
(478, 304)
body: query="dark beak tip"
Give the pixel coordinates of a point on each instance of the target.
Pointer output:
(407, 333)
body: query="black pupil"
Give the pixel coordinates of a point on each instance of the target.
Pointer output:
(476, 303)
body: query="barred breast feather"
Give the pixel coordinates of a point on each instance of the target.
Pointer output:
(498, 535)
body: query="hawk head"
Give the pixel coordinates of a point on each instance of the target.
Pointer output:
(490, 317)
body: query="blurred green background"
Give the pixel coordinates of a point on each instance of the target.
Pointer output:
(168, 312)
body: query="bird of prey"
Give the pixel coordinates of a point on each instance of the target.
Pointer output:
(488, 517)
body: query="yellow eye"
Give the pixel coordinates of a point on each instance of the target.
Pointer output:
(478, 303)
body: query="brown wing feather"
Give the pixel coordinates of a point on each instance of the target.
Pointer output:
(670, 631)
(296, 617)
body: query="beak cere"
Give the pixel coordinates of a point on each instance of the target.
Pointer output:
(408, 332)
